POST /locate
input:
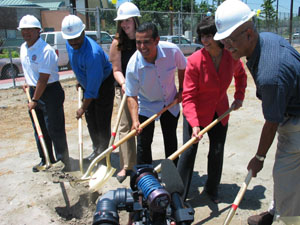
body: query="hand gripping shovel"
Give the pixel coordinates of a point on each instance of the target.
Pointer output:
(238, 198)
(97, 179)
(194, 139)
(40, 136)
(80, 142)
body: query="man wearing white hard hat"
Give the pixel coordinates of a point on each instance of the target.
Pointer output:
(275, 67)
(94, 74)
(39, 62)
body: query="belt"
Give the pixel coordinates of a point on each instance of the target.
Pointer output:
(48, 85)
(290, 115)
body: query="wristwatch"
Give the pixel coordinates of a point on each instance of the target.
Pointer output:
(260, 158)
(34, 100)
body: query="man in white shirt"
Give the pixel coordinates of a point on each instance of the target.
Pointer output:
(39, 62)
(150, 86)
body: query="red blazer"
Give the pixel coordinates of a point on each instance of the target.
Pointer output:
(205, 89)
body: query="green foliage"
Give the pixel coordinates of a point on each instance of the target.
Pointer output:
(268, 13)
(5, 54)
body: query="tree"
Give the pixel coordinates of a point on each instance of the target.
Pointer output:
(268, 13)
(164, 20)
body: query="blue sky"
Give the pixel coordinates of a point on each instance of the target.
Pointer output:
(283, 5)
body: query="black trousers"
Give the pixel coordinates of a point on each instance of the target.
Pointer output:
(168, 124)
(51, 117)
(98, 115)
(217, 137)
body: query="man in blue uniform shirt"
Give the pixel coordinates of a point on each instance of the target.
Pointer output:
(94, 74)
(275, 67)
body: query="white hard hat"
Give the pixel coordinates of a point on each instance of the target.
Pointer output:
(72, 27)
(229, 16)
(29, 21)
(127, 10)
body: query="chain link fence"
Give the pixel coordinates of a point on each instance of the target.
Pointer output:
(99, 19)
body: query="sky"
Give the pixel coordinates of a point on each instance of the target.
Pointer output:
(283, 5)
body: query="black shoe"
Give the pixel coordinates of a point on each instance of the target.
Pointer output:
(264, 218)
(213, 195)
(35, 168)
(92, 156)
(122, 178)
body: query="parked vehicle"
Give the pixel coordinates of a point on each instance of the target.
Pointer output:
(8, 70)
(56, 40)
(184, 44)
(296, 35)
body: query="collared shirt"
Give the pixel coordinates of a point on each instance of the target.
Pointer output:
(275, 67)
(205, 88)
(90, 65)
(39, 58)
(154, 84)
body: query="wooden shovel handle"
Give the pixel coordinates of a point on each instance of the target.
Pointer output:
(194, 139)
(238, 198)
(39, 131)
(126, 138)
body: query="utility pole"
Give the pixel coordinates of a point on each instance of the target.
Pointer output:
(171, 17)
(277, 17)
(87, 19)
(291, 21)
(192, 4)
(73, 6)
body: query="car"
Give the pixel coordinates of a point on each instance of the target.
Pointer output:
(296, 35)
(56, 40)
(184, 44)
(8, 70)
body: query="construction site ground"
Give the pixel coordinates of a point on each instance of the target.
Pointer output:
(48, 198)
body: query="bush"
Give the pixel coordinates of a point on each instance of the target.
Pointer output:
(5, 54)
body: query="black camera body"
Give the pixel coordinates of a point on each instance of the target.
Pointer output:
(147, 202)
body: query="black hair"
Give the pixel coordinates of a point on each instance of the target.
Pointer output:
(146, 27)
(207, 26)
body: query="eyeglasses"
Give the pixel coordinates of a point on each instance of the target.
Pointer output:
(231, 40)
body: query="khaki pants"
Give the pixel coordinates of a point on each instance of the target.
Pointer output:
(127, 150)
(286, 171)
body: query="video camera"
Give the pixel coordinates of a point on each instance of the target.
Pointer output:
(149, 201)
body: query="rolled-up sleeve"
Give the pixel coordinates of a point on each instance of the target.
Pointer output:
(240, 80)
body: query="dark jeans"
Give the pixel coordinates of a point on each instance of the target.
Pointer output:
(217, 137)
(168, 124)
(98, 115)
(50, 113)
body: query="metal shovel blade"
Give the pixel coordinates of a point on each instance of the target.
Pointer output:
(102, 174)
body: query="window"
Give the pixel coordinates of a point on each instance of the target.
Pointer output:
(175, 40)
(50, 39)
(105, 38)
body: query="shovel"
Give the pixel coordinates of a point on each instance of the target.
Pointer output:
(97, 179)
(194, 139)
(80, 142)
(238, 198)
(107, 171)
(40, 136)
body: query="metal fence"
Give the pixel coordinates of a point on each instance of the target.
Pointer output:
(168, 23)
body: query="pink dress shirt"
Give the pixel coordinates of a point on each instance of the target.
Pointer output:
(205, 89)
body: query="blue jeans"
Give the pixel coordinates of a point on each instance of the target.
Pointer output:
(50, 113)
(98, 115)
(217, 137)
(168, 124)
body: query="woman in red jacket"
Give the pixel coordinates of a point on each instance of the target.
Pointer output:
(207, 77)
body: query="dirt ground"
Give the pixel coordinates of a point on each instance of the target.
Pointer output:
(47, 197)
